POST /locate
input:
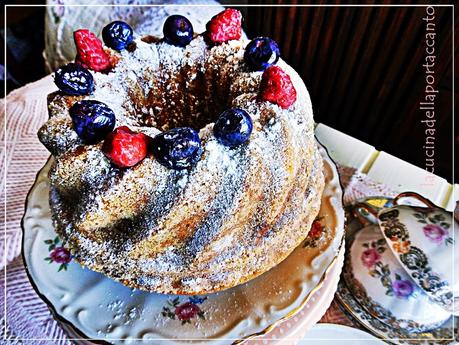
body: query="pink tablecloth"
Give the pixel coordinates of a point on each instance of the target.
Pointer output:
(26, 315)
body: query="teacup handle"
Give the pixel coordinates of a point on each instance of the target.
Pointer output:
(366, 207)
(413, 195)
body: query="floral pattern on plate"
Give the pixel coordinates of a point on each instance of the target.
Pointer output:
(371, 258)
(58, 254)
(444, 334)
(184, 311)
(318, 233)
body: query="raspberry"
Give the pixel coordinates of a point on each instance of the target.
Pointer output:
(276, 87)
(90, 53)
(125, 148)
(225, 26)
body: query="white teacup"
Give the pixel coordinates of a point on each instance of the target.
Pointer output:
(422, 239)
(382, 287)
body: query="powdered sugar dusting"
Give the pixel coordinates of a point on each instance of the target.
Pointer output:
(234, 215)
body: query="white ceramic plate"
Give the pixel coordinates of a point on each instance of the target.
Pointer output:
(331, 334)
(289, 332)
(105, 310)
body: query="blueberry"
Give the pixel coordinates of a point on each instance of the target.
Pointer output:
(261, 53)
(92, 120)
(73, 79)
(178, 30)
(178, 148)
(233, 127)
(117, 35)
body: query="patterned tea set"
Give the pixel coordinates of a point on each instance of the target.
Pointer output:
(400, 278)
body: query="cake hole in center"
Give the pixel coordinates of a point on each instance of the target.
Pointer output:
(184, 100)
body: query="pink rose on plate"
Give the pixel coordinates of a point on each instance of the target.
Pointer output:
(435, 233)
(370, 257)
(60, 255)
(187, 311)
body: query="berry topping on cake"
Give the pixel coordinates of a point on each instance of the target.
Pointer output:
(74, 80)
(261, 53)
(117, 35)
(276, 87)
(225, 26)
(179, 148)
(178, 30)
(92, 120)
(90, 52)
(125, 148)
(233, 127)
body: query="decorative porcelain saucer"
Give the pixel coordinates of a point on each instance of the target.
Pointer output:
(448, 333)
(103, 310)
(378, 293)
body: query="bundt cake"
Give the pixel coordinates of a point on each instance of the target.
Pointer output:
(185, 164)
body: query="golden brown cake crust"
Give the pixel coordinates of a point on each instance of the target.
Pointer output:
(232, 217)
